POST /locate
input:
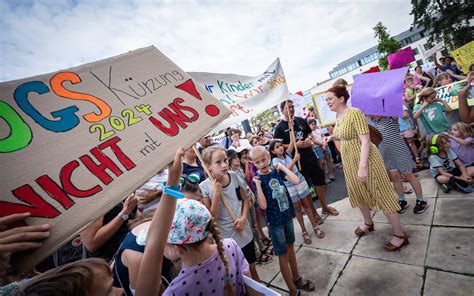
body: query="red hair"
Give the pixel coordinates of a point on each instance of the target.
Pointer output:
(339, 91)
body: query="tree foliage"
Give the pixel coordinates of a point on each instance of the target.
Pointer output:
(387, 45)
(446, 20)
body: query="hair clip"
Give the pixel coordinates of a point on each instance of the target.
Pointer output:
(192, 178)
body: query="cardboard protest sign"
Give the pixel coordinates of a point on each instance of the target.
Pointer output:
(379, 93)
(326, 116)
(243, 95)
(299, 105)
(464, 56)
(74, 143)
(449, 94)
(401, 58)
(435, 49)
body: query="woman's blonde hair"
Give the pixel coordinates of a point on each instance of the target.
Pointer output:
(464, 129)
(207, 153)
(73, 279)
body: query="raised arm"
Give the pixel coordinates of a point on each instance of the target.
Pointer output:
(96, 234)
(149, 275)
(290, 176)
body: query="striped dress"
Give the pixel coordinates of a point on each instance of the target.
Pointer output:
(377, 192)
(395, 153)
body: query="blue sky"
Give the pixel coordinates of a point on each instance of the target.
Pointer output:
(241, 37)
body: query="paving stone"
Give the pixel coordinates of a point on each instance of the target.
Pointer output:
(268, 271)
(372, 244)
(451, 249)
(439, 283)
(409, 217)
(323, 269)
(339, 237)
(363, 276)
(429, 186)
(346, 212)
(454, 193)
(456, 211)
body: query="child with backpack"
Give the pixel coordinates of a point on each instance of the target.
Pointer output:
(273, 197)
(299, 194)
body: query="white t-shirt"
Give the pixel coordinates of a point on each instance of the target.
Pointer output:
(232, 194)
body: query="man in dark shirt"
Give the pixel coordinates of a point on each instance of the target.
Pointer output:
(309, 162)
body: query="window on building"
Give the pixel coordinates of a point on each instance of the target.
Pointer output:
(419, 62)
(359, 62)
(427, 46)
(415, 51)
(422, 34)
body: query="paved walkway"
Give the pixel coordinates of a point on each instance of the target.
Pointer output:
(438, 261)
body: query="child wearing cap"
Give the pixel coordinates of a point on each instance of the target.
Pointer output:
(180, 230)
(273, 196)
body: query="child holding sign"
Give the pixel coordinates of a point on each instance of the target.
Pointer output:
(229, 186)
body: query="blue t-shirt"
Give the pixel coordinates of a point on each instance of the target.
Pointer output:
(279, 205)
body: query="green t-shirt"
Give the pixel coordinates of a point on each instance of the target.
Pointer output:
(433, 118)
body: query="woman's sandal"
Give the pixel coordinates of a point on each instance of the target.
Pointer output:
(319, 221)
(305, 285)
(359, 232)
(389, 247)
(330, 212)
(307, 238)
(319, 233)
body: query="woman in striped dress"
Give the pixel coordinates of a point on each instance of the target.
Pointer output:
(367, 181)
(398, 161)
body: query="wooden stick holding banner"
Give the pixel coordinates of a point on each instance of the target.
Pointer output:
(221, 196)
(292, 131)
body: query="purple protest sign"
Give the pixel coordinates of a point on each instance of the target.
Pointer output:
(401, 58)
(379, 93)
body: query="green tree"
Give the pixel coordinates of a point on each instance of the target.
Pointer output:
(387, 45)
(447, 20)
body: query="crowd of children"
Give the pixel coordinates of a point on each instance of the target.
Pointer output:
(198, 224)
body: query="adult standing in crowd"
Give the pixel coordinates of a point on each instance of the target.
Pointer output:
(368, 184)
(309, 162)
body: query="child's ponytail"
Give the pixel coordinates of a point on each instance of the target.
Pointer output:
(216, 235)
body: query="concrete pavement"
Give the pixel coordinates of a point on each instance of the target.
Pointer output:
(438, 261)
